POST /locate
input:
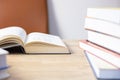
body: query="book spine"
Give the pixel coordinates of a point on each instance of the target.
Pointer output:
(103, 53)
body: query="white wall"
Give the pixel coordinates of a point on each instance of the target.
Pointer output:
(66, 17)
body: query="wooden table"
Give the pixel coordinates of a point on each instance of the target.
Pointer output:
(51, 67)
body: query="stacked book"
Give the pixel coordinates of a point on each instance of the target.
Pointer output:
(3, 65)
(103, 45)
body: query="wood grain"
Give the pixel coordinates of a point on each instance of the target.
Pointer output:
(51, 67)
(29, 14)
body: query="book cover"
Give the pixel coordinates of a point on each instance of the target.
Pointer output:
(4, 74)
(102, 69)
(35, 42)
(15, 49)
(3, 62)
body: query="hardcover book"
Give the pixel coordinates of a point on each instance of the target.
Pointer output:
(104, 27)
(108, 14)
(104, 40)
(103, 53)
(34, 42)
(3, 64)
(4, 74)
(102, 69)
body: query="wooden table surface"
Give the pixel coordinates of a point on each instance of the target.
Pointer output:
(51, 67)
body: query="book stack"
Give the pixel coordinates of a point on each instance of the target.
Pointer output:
(103, 43)
(3, 65)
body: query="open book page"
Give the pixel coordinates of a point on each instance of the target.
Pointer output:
(17, 31)
(44, 38)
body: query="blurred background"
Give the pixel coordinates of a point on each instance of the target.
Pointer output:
(67, 17)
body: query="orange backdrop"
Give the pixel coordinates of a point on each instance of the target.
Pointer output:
(29, 14)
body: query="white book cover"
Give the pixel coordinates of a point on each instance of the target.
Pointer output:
(3, 62)
(105, 27)
(4, 74)
(109, 14)
(102, 69)
(105, 54)
(105, 41)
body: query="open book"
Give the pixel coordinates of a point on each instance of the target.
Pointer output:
(34, 42)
